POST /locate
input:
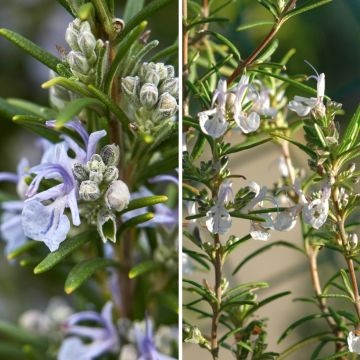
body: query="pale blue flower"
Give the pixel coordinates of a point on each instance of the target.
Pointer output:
(10, 221)
(145, 343)
(43, 217)
(103, 338)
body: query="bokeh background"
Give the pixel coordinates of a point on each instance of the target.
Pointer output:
(327, 37)
(44, 22)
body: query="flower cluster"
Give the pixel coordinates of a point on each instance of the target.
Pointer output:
(227, 105)
(152, 95)
(88, 180)
(85, 57)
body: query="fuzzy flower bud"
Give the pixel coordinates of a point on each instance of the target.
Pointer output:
(130, 86)
(117, 196)
(166, 107)
(96, 177)
(353, 241)
(149, 95)
(110, 154)
(170, 71)
(170, 86)
(111, 174)
(96, 164)
(152, 77)
(89, 191)
(78, 62)
(72, 33)
(80, 172)
(87, 44)
(106, 225)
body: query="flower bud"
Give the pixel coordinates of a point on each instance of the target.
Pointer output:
(118, 24)
(170, 71)
(166, 107)
(87, 44)
(111, 174)
(78, 62)
(117, 196)
(96, 177)
(152, 77)
(96, 164)
(110, 154)
(130, 86)
(80, 172)
(162, 71)
(353, 241)
(71, 35)
(170, 86)
(106, 225)
(149, 95)
(89, 191)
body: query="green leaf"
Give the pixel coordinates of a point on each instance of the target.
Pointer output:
(198, 257)
(37, 126)
(254, 24)
(8, 111)
(240, 215)
(82, 271)
(112, 106)
(303, 147)
(104, 16)
(22, 249)
(136, 220)
(166, 53)
(199, 147)
(347, 283)
(65, 249)
(73, 108)
(35, 109)
(145, 202)
(301, 9)
(132, 8)
(66, 6)
(121, 52)
(338, 355)
(69, 84)
(351, 133)
(304, 342)
(143, 268)
(251, 285)
(299, 322)
(265, 248)
(18, 334)
(336, 296)
(226, 42)
(142, 15)
(34, 50)
(248, 144)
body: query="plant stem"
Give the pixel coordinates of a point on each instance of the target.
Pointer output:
(274, 30)
(218, 293)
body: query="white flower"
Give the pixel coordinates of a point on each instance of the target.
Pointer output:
(280, 221)
(302, 105)
(247, 122)
(353, 343)
(213, 122)
(315, 212)
(218, 219)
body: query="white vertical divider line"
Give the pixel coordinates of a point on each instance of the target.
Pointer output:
(180, 241)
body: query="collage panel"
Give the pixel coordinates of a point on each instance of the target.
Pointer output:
(270, 179)
(89, 181)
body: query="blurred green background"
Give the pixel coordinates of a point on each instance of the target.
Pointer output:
(44, 22)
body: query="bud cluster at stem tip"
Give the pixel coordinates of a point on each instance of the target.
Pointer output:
(99, 185)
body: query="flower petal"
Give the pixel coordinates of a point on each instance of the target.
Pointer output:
(218, 220)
